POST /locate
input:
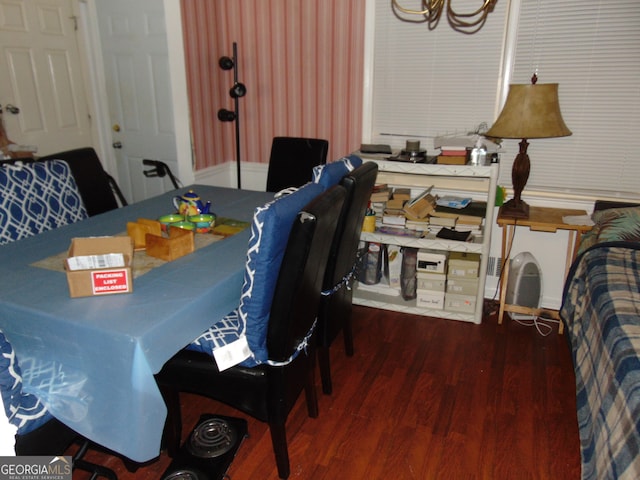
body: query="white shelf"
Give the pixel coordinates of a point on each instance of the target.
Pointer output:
(399, 304)
(479, 181)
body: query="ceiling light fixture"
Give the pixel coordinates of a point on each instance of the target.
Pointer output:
(432, 10)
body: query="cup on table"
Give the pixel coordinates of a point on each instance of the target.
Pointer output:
(170, 219)
(184, 225)
(203, 222)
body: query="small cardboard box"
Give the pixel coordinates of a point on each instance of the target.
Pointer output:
(462, 285)
(430, 299)
(463, 264)
(431, 281)
(431, 261)
(101, 276)
(460, 303)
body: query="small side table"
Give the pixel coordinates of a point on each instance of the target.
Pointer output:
(541, 219)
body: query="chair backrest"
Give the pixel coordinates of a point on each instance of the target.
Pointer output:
(97, 188)
(297, 295)
(358, 184)
(292, 160)
(36, 197)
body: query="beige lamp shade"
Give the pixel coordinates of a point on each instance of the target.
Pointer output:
(531, 111)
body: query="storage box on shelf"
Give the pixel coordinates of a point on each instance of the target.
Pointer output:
(478, 182)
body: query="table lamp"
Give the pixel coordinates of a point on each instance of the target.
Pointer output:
(531, 111)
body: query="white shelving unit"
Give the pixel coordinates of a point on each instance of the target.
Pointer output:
(477, 182)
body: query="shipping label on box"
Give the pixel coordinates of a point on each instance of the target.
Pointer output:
(99, 266)
(462, 285)
(432, 281)
(463, 264)
(431, 261)
(110, 281)
(430, 299)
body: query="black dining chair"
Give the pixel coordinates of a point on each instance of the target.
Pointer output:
(334, 314)
(268, 391)
(292, 160)
(99, 190)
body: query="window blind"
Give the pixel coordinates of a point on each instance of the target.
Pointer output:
(591, 48)
(432, 82)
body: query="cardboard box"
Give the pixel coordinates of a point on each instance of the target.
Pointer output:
(462, 285)
(430, 299)
(104, 266)
(463, 264)
(431, 261)
(459, 303)
(431, 281)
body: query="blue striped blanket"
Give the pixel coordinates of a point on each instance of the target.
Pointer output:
(601, 310)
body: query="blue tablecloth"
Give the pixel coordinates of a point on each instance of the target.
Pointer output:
(92, 359)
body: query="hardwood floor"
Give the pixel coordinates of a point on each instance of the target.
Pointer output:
(422, 398)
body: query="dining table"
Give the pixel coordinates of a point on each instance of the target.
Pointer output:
(92, 360)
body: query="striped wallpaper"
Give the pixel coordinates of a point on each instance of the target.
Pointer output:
(302, 64)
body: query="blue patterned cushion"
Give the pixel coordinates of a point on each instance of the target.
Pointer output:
(37, 197)
(23, 410)
(330, 174)
(269, 234)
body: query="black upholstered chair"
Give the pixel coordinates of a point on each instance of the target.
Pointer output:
(99, 190)
(269, 390)
(292, 160)
(334, 314)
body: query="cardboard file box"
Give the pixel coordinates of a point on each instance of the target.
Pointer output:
(431, 261)
(459, 303)
(430, 299)
(432, 281)
(463, 264)
(462, 285)
(103, 277)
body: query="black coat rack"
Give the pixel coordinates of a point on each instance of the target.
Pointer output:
(237, 91)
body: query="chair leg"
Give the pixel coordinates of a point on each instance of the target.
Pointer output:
(95, 470)
(280, 449)
(325, 370)
(310, 388)
(172, 433)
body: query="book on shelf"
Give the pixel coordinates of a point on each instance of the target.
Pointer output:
(472, 214)
(442, 221)
(394, 202)
(420, 206)
(453, 151)
(393, 219)
(421, 225)
(380, 193)
(450, 234)
(453, 202)
(401, 194)
(399, 231)
(451, 160)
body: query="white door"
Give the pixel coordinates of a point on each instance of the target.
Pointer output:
(41, 76)
(136, 65)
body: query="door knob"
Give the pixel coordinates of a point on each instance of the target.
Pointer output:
(11, 109)
(117, 144)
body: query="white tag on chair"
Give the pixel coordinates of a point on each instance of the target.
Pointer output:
(232, 354)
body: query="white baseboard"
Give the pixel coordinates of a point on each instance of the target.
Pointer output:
(253, 176)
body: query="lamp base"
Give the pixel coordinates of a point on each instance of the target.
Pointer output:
(512, 210)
